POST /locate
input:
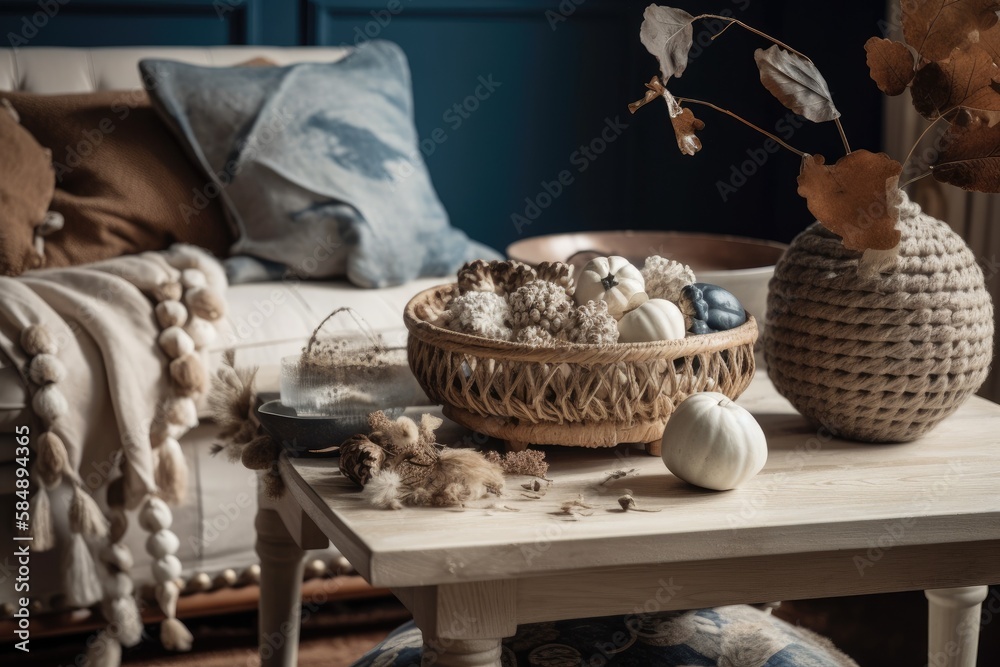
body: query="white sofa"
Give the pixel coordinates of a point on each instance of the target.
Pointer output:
(265, 321)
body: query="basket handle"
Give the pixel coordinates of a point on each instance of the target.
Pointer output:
(363, 325)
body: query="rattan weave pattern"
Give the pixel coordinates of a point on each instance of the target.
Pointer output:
(571, 394)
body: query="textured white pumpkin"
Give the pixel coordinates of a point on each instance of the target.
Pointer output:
(656, 319)
(612, 280)
(713, 443)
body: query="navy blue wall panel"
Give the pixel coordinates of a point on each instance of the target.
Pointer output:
(146, 22)
(546, 144)
(574, 73)
(504, 104)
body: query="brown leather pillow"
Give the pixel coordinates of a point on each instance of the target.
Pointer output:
(26, 185)
(123, 183)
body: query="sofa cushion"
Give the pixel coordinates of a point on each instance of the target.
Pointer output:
(733, 635)
(26, 186)
(317, 154)
(123, 183)
(267, 321)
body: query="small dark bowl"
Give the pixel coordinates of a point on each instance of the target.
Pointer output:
(306, 434)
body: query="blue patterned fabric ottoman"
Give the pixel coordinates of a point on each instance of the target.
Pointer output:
(734, 636)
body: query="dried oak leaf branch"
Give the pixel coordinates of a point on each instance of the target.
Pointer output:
(857, 198)
(989, 41)
(796, 82)
(891, 65)
(667, 33)
(683, 120)
(936, 27)
(971, 156)
(964, 80)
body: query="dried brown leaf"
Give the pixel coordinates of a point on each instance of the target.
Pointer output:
(964, 80)
(890, 64)
(856, 198)
(989, 41)
(797, 83)
(685, 125)
(667, 34)
(936, 27)
(971, 156)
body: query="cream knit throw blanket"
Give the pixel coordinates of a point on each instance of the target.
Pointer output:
(114, 357)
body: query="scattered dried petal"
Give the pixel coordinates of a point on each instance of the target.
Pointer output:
(576, 506)
(627, 503)
(617, 474)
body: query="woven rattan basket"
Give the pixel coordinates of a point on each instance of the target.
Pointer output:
(587, 395)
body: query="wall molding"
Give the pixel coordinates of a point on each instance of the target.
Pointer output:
(244, 17)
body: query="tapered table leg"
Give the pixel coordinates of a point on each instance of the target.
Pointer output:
(953, 616)
(462, 624)
(461, 652)
(281, 563)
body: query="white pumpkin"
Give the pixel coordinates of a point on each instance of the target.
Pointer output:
(656, 319)
(612, 280)
(713, 443)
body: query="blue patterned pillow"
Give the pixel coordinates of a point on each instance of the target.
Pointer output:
(735, 636)
(318, 164)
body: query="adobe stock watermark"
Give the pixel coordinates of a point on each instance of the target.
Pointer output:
(990, 268)
(765, 487)
(242, 329)
(641, 621)
(214, 526)
(710, 28)
(32, 24)
(91, 139)
(740, 174)
(274, 642)
(990, 608)
(562, 12)
(453, 118)
(892, 533)
(461, 622)
(246, 153)
(380, 20)
(580, 160)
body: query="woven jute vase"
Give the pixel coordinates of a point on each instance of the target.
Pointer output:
(881, 358)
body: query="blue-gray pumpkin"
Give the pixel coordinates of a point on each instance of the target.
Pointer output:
(715, 309)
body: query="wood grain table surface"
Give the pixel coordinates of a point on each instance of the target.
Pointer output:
(825, 517)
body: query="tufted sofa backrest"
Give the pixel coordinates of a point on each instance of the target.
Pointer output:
(51, 70)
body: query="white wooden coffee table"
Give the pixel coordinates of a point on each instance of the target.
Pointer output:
(824, 518)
